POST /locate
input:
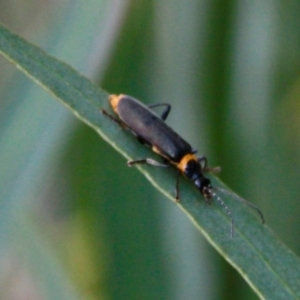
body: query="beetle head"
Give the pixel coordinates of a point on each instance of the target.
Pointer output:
(194, 172)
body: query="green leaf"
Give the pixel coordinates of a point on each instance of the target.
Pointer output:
(271, 269)
(27, 170)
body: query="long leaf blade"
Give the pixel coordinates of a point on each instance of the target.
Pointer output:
(271, 269)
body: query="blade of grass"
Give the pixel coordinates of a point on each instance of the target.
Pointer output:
(271, 269)
(26, 170)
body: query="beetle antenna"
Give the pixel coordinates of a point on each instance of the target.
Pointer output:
(228, 211)
(238, 198)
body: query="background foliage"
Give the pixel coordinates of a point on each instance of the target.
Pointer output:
(75, 222)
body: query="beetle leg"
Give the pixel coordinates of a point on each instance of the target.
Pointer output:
(214, 170)
(177, 186)
(147, 161)
(205, 168)
(166, 112)
(104, 112)
(203, 159)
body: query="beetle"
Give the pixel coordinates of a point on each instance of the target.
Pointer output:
(151, 130)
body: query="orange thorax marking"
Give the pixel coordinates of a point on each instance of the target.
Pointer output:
(184, 161)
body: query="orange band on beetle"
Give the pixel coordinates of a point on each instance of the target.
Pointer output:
(184, 161)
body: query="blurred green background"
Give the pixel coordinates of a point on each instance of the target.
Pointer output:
(75, 222)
